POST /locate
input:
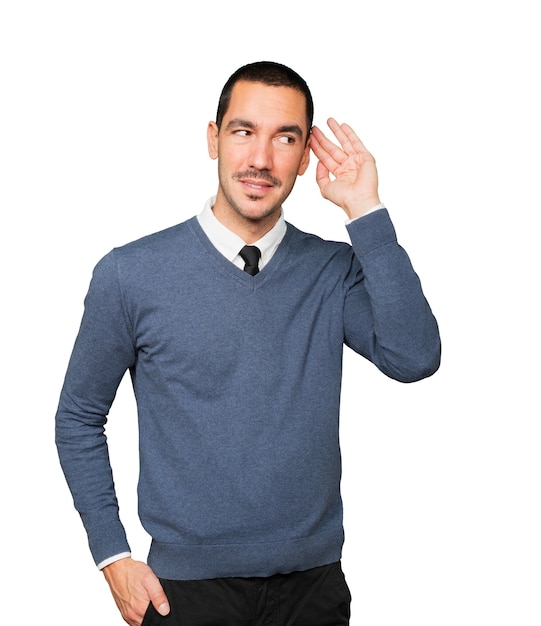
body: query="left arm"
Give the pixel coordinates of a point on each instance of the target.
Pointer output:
(386, 316)
(402, 338)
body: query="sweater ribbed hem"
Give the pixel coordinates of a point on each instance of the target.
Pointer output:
(197, 562)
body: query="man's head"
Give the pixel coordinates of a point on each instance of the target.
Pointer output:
(260, 139)
(267, 73)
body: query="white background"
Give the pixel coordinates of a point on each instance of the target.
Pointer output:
(103, 115)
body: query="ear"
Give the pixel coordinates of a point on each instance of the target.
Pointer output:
(305, 161)
(212, 140)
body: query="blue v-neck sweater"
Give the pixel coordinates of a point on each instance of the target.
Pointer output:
(237, 381)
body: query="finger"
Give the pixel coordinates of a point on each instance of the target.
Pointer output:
(347, 137)
(343, 137)
(157, 596)
(326, 151)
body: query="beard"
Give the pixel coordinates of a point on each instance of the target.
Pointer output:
(259, 175)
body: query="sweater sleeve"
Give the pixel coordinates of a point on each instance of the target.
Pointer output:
(102, 353)
(402, 337)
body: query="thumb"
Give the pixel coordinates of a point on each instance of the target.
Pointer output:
(157, 597)
(322, 177)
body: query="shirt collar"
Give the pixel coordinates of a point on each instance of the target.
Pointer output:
(229, 244)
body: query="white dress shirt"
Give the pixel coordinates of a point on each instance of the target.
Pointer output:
(229, 244)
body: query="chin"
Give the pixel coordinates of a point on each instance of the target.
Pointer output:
(257, 213)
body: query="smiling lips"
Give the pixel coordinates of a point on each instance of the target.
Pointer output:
(260, 181)
(256, 186)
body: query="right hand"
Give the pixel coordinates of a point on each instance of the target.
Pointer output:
(133, 585)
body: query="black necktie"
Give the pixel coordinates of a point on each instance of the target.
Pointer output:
(250, 256)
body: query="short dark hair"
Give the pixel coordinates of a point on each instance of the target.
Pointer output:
(268, 73)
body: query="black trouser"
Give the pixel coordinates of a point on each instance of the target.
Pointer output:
(315, 597)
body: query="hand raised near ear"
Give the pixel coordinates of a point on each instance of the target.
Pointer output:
(345, 174)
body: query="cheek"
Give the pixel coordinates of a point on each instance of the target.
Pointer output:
(230, 156)
(290, 168)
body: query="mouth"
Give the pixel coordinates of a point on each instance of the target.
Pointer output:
(256, 185)
(254, 181)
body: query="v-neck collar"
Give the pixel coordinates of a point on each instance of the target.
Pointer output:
(229, 244)
(225, 265)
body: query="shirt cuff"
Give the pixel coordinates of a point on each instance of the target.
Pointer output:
(375, 208)
(112, 559)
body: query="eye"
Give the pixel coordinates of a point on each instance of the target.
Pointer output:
(286, 139)
(243, 133)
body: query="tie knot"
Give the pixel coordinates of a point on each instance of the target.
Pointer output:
(251, 255)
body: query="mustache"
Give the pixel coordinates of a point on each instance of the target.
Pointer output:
(258, 175)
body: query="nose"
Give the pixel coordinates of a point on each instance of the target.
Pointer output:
(261, 154)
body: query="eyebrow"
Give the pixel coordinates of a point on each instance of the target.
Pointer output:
(286, 128)
(295, 129)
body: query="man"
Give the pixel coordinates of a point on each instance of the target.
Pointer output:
(232, 325)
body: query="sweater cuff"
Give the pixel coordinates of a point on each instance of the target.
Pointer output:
(371, 231)
(106, 540)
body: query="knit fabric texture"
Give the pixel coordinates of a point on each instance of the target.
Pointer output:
(237, 380)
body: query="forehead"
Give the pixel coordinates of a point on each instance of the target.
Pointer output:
(267, 106)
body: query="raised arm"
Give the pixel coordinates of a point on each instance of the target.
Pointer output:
(401, 337)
